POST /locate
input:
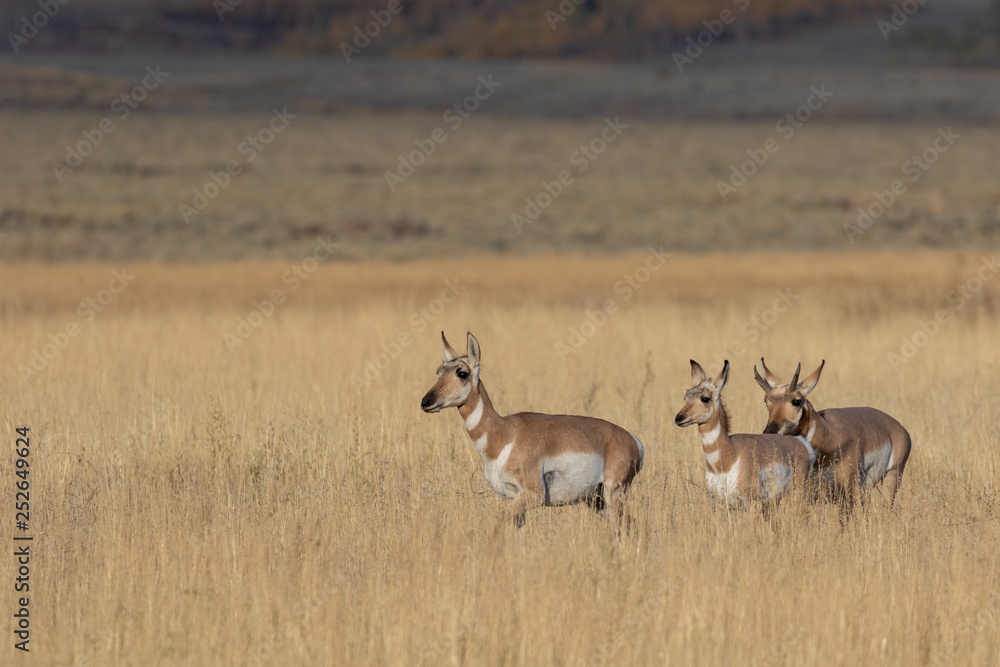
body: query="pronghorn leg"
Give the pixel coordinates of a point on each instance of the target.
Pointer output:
(891, 484)
(518, 507)
(614, 506)
(895, 474)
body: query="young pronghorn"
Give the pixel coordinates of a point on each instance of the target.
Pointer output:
(855, 447)
(536, 459)
(744, 468)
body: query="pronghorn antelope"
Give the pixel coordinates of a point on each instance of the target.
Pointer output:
(855, 447)
(743, 468)
(536, 459)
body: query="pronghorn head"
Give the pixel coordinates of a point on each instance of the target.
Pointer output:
(704, 398)
(786, 403)
(457, 376)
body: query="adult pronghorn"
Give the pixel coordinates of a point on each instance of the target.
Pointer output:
(536, 459)
(743, 468)
(854, 446)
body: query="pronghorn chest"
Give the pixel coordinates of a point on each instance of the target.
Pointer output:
(501, 481)
(724, 485)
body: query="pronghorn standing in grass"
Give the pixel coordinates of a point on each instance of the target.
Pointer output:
(855, 447)
(535, 459)
(743, 468)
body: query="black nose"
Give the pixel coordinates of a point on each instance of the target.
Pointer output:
(679, 418)
(426, 401)
(771, 428)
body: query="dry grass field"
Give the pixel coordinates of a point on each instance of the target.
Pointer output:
(196, 506)
(326, 175)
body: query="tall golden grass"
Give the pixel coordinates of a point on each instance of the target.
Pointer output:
(193, 506)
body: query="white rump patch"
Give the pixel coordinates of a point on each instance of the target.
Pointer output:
(504, 484)
(713, 435)
(723, 485)
(477, 414)
(572, 477)
(775, 480)
(875, 465)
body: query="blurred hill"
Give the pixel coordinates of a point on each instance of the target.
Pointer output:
(326, 174)
(443, 28)
(940, 66)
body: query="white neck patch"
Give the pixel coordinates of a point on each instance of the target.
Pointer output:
(713, 435)
(480, 444)
(473, 420)
(713, 457)
(812, 430)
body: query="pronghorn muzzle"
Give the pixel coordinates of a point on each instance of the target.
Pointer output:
(428, 401)
(771, 428)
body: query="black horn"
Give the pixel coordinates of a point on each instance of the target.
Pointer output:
(795, 378)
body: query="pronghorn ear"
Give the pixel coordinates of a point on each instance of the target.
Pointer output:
(472, 351)
(807, 385)
(722, 378)
(764, 384)
(449, 352)
(772, 379)
(697, 373)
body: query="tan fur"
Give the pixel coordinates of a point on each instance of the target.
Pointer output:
(842, 437)
(754, 453)
(536, 437)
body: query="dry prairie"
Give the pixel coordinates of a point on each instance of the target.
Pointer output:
(196, 506)
(657, 183)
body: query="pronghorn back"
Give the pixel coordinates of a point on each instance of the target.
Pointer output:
(890, 442)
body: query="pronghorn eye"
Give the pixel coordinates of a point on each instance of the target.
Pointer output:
(797, 402)
(706, 399)
(462, 375)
